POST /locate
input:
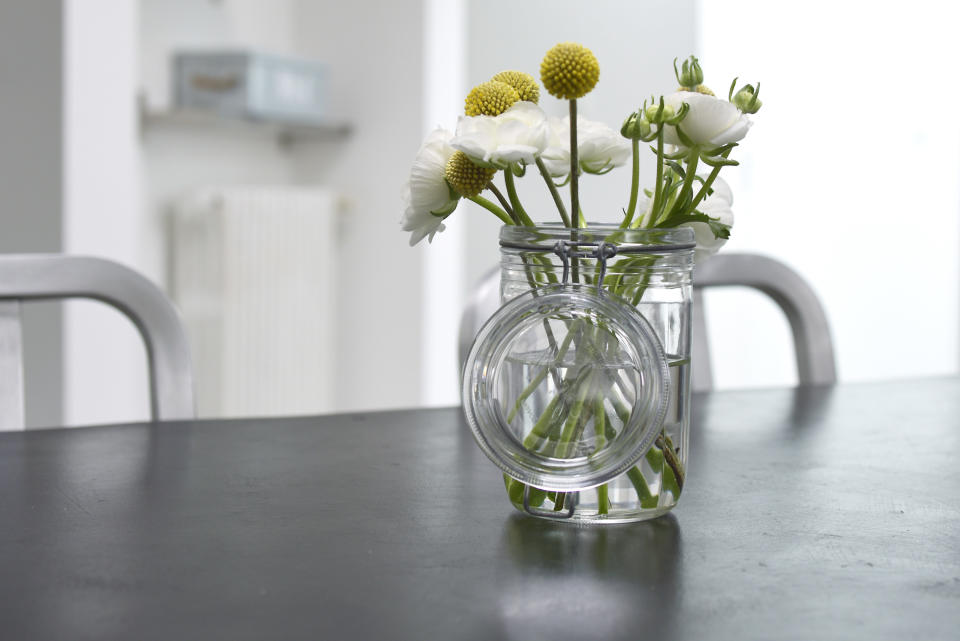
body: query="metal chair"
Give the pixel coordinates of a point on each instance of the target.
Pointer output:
(32, 277)
(482, 302)
(808, 322)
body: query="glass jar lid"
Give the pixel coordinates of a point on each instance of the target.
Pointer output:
(565, 387)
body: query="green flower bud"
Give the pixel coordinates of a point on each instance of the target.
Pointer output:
(636, 127)
(747, 99)
(659, 113)
(690, 75)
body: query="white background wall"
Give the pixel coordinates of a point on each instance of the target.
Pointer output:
(104, 364)
(851, 175)
(378, 350)
(375, 51)
(31, 173)
(119, 182)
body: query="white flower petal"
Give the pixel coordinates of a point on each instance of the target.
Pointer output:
(717, 205)
(427, 189)
(710, 120)
(735, 133)
(598, 146)
(519, 133)
(421, 225)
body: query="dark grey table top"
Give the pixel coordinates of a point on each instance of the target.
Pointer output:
(808, 514)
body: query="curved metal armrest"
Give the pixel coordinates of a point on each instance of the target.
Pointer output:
(53, 276)
(808, 321)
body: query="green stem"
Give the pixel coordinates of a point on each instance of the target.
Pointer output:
(515, 200)
(671, 458)
(686, 192)
(570, 426)
(658, 189)
(541, 429)
(548, 273)
(647, 499)
(574, 167)
(634, 186)
(708, 183)
(553, 192)
(492, 208)
(705, 188)
(542, 374)
(583, 414)
(600, 426)
(503, 201)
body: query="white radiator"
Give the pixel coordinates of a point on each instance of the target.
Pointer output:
(254, 273)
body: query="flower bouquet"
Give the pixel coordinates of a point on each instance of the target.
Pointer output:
(578, 388)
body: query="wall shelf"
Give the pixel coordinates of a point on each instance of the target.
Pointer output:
(285, 133)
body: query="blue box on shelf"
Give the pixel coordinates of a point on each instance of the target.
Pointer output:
(246, 84)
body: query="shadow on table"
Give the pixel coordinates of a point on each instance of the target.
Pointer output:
(796, 411)
(564, 581)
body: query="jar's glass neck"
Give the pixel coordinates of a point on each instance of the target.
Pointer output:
(546, 237)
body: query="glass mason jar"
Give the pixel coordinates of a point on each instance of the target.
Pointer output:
(578, 388)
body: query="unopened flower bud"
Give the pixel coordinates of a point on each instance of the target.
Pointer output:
(747, 99)
(636, 127)
(659, 113)
(690, 75)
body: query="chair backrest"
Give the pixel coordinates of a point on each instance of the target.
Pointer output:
(808, 322)
(31, 277)
(483, 301)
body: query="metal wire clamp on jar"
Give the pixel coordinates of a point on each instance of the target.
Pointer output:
(579, 391)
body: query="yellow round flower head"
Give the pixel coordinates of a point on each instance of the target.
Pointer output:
(465, 177)
(569, 71)
(526, 86)
(490, 99)
(704, 89)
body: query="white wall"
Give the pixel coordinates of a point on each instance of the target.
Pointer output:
(105, 376)
(444, 267)
(120, 181)
(170, 25)
(177, 158)
(31, 159)
(850, 175)
(375, 51)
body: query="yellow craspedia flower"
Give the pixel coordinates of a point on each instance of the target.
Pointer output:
(524, 83)
(465, 177)
(490, 98)
(704, 89)
(569, 71)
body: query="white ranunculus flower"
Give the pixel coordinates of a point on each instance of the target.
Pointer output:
(711, 122)
(421, 224)
(717, 205)
(518, 134)
(599, 147)
(427, 190)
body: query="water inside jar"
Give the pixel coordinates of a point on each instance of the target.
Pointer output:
(567, 388)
